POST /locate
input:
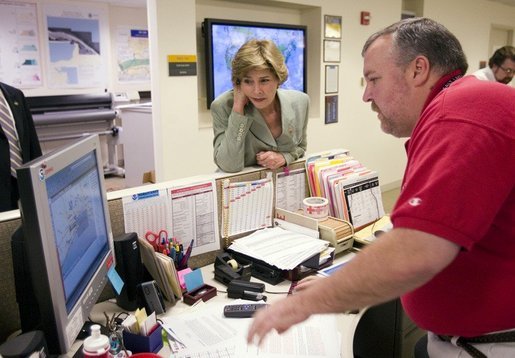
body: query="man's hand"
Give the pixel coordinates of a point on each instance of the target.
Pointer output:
(306, 282)
(279, 316)
(270, 159)
(398, 262)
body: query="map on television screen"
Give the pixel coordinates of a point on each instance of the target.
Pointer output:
(228, 38)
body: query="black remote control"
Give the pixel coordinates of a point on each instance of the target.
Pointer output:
(243, 310)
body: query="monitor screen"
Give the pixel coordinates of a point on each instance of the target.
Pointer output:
(68, 238)
(223, 38)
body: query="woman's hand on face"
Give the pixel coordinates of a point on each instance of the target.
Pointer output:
(270, 159)
(240, 100)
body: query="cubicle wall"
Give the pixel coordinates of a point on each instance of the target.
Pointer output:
(394, 335)
(9, 320)
(9, 317)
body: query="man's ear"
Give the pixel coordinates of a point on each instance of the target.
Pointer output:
(420, 70)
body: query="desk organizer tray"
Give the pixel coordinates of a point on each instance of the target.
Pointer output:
(142, 344)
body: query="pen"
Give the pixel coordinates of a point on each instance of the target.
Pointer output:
(172, 334)
(186, 256)
(179, 259)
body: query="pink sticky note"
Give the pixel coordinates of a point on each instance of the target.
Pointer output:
(181, 274)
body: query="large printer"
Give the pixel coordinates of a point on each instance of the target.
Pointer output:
(64, 117)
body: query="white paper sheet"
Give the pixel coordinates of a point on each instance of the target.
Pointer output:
(195, 216)
(281, 248)
(206, 333)
(147, 211)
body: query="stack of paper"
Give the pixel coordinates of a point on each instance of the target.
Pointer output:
(162, 270)
(205, 333)
(278, 247)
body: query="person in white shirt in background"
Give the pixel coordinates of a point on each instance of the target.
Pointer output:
(501, 66)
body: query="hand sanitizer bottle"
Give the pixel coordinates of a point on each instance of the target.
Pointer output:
(97, 345)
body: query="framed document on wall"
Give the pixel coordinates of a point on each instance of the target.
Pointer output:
(331, 109)
(331, 79)
(331, 51)
(332, 27)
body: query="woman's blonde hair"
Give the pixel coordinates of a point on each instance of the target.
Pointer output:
(258, 55)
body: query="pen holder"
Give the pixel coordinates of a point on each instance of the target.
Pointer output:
(180, 267)
(140, 344)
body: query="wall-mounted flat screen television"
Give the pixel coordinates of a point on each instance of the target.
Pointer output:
(223, 38)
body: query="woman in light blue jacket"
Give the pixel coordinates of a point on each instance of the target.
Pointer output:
(256, 123)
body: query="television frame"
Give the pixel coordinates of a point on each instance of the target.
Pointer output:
(207, 32)
(62, 318)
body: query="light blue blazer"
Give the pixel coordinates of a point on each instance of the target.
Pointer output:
(238, 138)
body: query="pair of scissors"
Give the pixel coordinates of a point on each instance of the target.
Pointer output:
(159, 241)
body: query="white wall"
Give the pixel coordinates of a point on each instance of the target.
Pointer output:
(184, 137)
(183, 134)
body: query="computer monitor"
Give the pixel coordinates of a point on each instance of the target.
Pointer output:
(67, 239)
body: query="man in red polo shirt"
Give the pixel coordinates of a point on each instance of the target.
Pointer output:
(450, 254)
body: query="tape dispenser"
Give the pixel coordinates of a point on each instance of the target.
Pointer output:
(228, 269)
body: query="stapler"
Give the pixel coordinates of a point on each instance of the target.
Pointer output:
(228, 269)
(246, 290)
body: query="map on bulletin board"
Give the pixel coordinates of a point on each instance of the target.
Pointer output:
(75, 48)
(20, 55)
(133, 55)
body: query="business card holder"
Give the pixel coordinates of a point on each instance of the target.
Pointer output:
(204, 293)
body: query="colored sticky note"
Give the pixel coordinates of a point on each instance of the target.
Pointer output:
(115, 280)
(193, 280)
(181, 275)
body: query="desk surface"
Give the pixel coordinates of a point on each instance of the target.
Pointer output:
(347, 323)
